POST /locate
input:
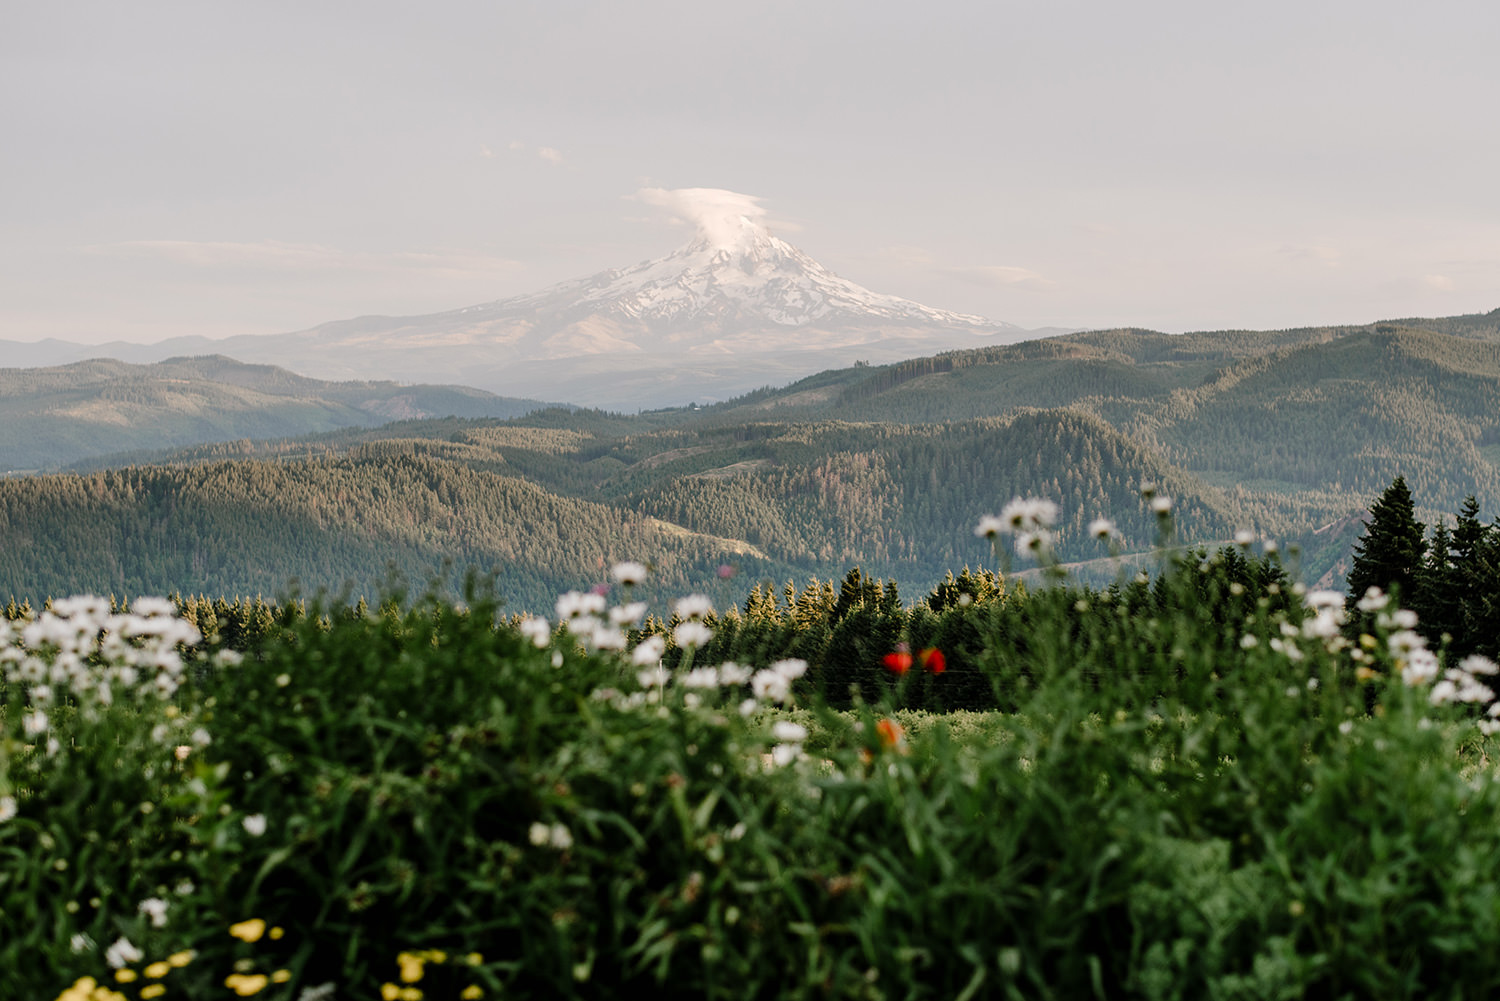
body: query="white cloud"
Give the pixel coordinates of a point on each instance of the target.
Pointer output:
(545, 153)
(1438, 283)
(998, 276)
(722, 217)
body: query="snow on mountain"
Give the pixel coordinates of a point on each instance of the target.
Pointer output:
(733, 290)
(718, 283)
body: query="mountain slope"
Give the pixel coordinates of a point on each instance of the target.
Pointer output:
(1287, 433)
(1340, 410)
(51, 417)
(551, 508)
(714, 286)
(1353, 413)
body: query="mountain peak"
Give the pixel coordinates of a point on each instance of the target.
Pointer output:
(735, 277)
(732, 309)
(735, 235)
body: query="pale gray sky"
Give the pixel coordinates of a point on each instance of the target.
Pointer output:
(217, 168)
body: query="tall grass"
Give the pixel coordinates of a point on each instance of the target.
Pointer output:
(1181, 803)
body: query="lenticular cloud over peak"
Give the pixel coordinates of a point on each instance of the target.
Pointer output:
(726, 219)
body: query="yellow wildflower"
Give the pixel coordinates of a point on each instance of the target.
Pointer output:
(474, 959)
(153, 991)
(157, 970)
(281, 976)
(125, 976)
(389, 992)
(411, 966)
(245, 984)
(248, 931)
(180, 959)
(471, 992)
(80, 991)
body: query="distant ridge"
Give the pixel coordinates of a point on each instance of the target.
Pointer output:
(53, 417)
(1288, 434)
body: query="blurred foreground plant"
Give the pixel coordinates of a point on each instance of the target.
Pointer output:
(1202, 790)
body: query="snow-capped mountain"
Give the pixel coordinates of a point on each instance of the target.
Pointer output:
(716, 284)
(733, 310)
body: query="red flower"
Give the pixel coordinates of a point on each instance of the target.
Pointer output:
(933, 660)
(890, 732)
(900, 661)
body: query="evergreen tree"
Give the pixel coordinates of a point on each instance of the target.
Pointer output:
(1438, 595)
(1468, 533)
(1482, 601)
(1389, 554)
(969, 587)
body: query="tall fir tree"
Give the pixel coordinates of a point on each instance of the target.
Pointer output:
(1389, 554)
(1436, 598)
(1471, 582)
(1476, 579)
(1468, 532)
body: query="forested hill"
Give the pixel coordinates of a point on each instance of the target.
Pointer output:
(247, 528)
(1120, 372)
(1289, 434)
(51, 417)
(552, 508)
(1318, 418)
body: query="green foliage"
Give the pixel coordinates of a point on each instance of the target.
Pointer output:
(989, 643)
(969, 587)
(1449, 582)
(1389, 555)
(1282, 433)
(1172, 811)
(241, 528)
(550, 509)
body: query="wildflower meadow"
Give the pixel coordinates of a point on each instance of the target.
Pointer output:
(1187, 787)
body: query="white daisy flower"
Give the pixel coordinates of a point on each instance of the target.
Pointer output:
(629, 572)
(694, 606)
(788, 732)
(692, 634)
(648, 651)
(121, 953)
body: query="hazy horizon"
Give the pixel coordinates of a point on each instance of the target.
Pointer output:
(174, 169)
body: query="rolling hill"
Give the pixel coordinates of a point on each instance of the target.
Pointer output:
(53, 417)
(1289, 434)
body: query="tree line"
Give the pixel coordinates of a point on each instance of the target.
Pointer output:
(1450, 578)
